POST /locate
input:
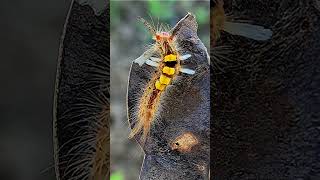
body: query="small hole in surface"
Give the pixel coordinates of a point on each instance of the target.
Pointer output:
(184, 142)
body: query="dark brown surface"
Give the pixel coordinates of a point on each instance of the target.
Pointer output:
(29, 42)
(265, 108)
(81, 108)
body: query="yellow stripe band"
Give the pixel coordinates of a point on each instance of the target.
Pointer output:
(168, 70)
(159, 86)
(170, 57)
(164, 79)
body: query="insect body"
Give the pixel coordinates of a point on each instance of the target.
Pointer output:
(167, 72)
(168, 64)
(169, 68)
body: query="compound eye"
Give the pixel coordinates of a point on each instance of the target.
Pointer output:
(165, 33)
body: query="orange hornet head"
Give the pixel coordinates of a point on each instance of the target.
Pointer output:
(163, 39)
(162, 36)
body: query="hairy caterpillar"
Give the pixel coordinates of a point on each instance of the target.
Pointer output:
(166, 60)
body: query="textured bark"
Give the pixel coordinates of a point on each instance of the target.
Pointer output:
(265, 103)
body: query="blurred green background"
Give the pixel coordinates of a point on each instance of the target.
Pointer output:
(129, 38)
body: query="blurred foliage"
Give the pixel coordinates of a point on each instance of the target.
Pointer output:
(114, 12)
(166, 11)
(157, 8)
(118, 175)
(202, 15)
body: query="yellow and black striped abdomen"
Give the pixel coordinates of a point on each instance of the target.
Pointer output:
(168, 70)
